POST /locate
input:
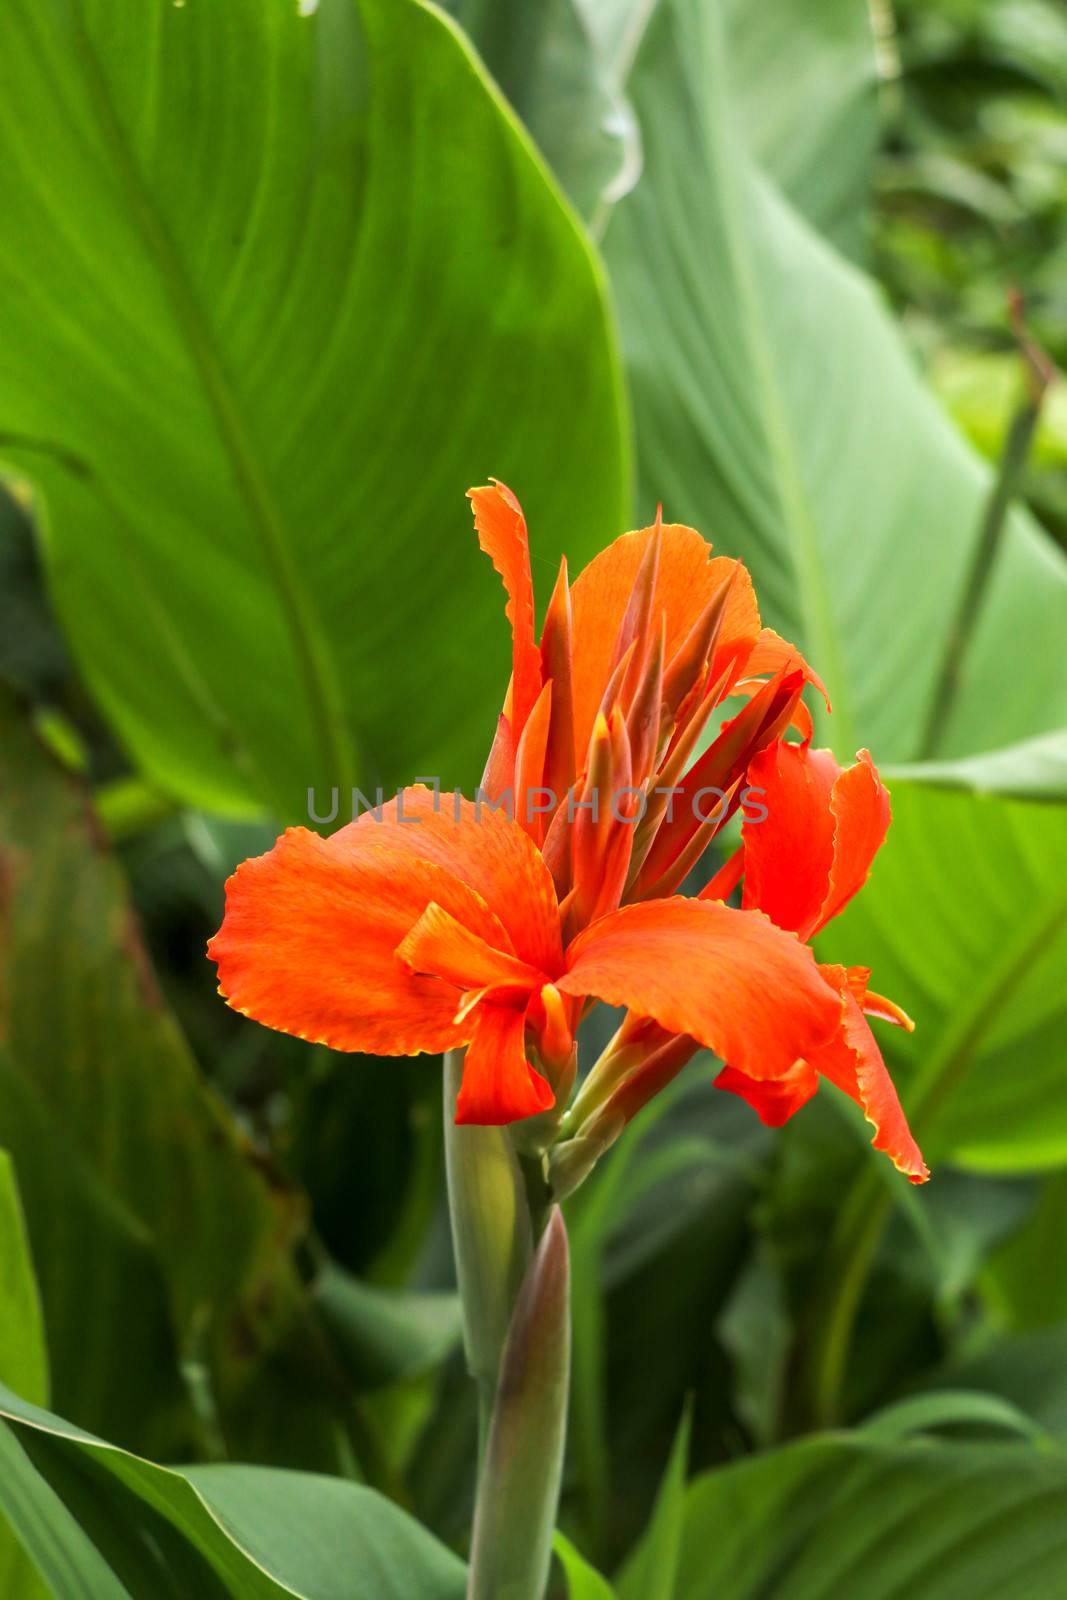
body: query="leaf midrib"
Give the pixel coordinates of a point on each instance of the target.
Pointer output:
(321, 683)
(820, 635)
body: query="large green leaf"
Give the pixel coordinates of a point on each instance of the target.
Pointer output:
(777, 409)
(23, 1365)
(964, 923)
(157, 1235)
(329, 1540)
(23, 1355)
(1029, 1273)
(245, 1532)
(833, 1517)
(541, 52)
(805, 81)
(1026, 1371)
(386, 1335)
(583, 1581)
(651, 1574)
(64, 1556)
(277, 284)
(1034, 769)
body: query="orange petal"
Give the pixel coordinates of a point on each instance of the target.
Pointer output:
(876, 1005)
(774, 1100)
(686, 580)
(439, 946)
(860, 804)
(307, 944)
(718, 771)
(824, 825)
(502, 535)
(499, 1085)
(687, 672)
(771, 653)
(852, 1060)
(801, 716)
(560, 760)
(486, 850)
(531, 796)
(789, 855)
(499, 774)
(731, 979)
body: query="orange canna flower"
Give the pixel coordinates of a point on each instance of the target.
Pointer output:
(494, 923)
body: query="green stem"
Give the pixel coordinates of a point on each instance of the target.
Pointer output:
(492, 1236)
(852, 1255)
(1006, 484)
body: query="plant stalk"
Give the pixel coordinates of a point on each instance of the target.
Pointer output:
(1006, 484)
(512, 1267)
(492, 1237)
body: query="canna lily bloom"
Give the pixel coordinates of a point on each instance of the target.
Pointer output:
(439, 926)
(437, 922)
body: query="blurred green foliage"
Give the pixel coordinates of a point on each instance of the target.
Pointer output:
(274, 289)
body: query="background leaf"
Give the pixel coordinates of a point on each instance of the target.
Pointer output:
(244, 1532)
(805, 81)
(23, 1364)
(64, 1554)
(838, 1516)
(125, 1154)
(777, 409)
(652, 1572)
(305, 324)
(964, 922)
(541, 53)
(583, 1581)
(23, 1354)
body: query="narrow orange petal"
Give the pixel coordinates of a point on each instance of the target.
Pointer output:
(556, 651)
(731, 979)
(499, 774)
(689, 663)
(686, 580)
(801, 718)
(774, 1100)
(530, 792)
(645, 712)
(852, 1060)
(602, 839)
(876, 1005)
(721, 768)
(499, 1085)
(502, 534)
(307, 944)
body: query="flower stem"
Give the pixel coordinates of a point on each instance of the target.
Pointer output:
(512, 1267)
(492, 1236)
